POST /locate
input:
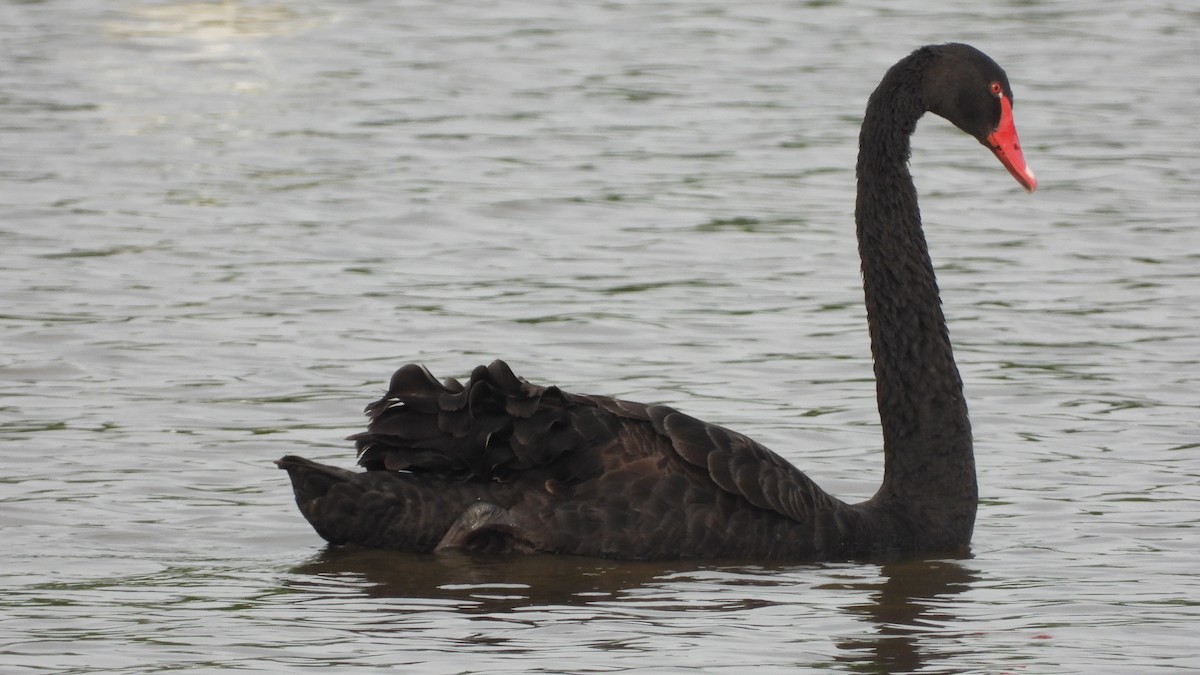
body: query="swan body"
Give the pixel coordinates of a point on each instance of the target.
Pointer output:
(499, 464)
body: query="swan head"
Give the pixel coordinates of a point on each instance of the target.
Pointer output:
(970, 90)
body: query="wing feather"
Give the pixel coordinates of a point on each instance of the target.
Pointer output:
(496, 425)
(489, 428)
(740, 465)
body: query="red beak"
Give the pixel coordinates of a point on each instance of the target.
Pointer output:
(1007, 147)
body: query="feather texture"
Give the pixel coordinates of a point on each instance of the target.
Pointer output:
(571, 473)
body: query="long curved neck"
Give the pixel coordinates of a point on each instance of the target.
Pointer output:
(929, 468)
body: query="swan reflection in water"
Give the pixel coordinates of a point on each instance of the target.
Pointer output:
(906, 604)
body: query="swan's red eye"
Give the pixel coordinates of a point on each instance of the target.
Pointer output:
(997, 89)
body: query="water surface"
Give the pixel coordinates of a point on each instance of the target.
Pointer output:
(223, 225)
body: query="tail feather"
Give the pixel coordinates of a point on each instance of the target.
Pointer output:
(323, 504)
(311, 480)
(374, 508)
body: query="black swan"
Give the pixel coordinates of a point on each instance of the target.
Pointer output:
(497, 464)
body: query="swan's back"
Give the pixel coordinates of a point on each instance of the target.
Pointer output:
(497, 463)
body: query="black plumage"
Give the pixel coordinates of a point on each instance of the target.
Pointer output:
(500, 464)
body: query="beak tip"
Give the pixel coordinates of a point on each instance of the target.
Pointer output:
(1030, 181)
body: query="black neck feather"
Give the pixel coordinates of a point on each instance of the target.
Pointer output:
(929, 467)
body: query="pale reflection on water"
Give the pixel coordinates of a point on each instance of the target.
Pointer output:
(223, 225)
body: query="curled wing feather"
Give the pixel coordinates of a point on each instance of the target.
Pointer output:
(498, 427)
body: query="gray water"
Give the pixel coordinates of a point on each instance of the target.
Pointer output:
(223, 225)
